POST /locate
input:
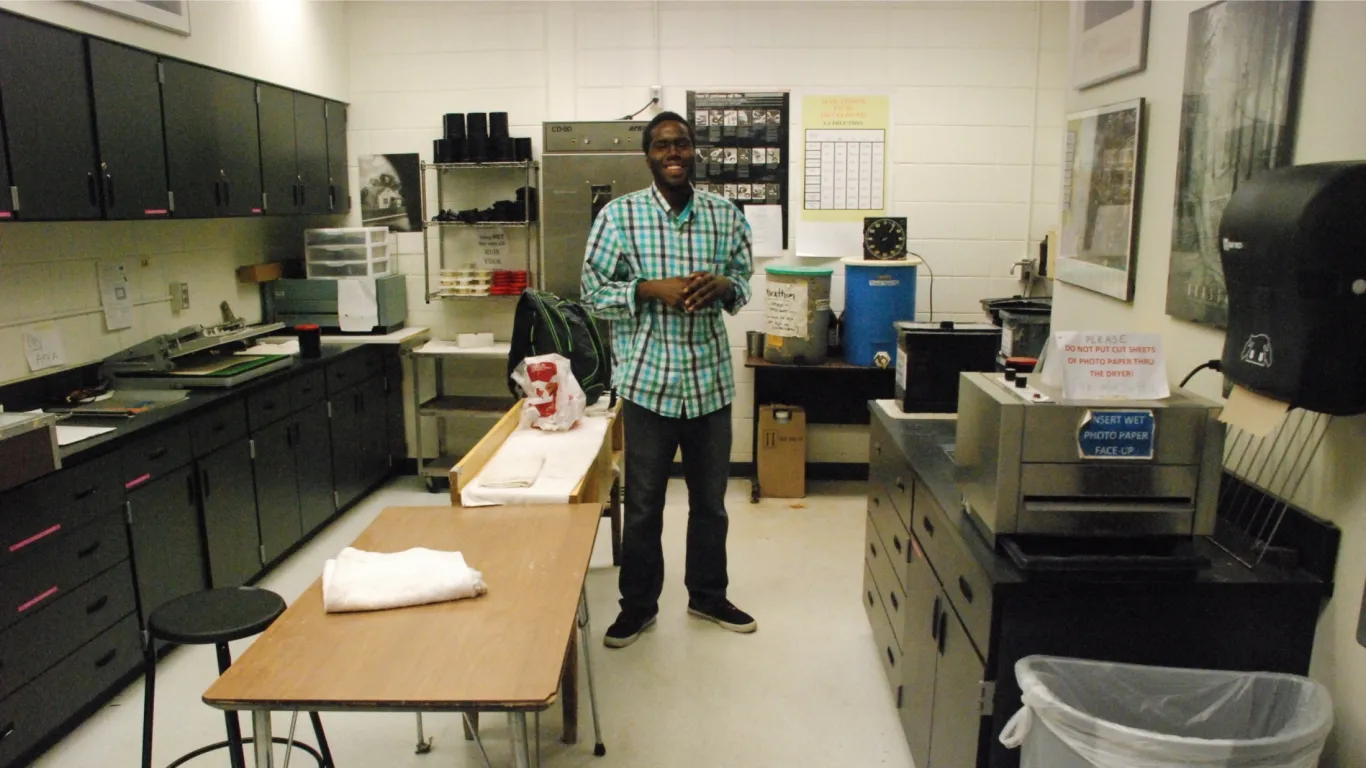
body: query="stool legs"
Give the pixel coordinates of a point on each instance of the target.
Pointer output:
(234, 726)
(321, 739)
(149, 688)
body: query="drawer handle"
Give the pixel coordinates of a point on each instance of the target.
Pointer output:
(35, 537)
(6, 730)
(896, 543)
(872, 548)
(870, 599)
(965, 588)
(877, 501)
(896, 604)
(220, 426)
(88, 551)
(934, 620)
(929, 526)
(268, 406)
(891, 659)
(877, 448)
(49, 592)
(158, 453)
(85, 493)
(104, 660)
(99, 602)
(900, 486)
(943, 630)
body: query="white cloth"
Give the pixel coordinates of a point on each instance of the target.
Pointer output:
(567, 458)
(371, 581)
(357, 304)
(510, 471)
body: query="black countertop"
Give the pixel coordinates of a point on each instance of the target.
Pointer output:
(198, 400)
(926, 443)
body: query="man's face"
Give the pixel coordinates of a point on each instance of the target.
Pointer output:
(671, 155)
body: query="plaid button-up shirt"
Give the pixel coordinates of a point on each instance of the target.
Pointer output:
(672, 362)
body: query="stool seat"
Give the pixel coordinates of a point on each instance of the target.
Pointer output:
(216, 615)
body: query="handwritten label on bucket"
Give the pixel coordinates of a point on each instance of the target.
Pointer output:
(785, 310)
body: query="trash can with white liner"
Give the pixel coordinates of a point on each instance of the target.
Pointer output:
(1090, 714)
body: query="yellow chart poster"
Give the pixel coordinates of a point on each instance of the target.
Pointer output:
(845, 140)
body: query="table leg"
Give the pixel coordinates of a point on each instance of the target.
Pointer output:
(262, 739)
(424, 745)
(520, 749)
(472, 726)
(569, 691)
(754, 490)
(585, 624)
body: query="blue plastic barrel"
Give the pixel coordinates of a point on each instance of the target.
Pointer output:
(876, 294)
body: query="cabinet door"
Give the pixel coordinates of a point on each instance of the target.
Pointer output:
(45, 91)
(277, 490)
(168, 542)
(393, 410)
(191, 146)
(920, 652)
(348, 437)
(957, 729)
(227, 493)
(375, 457)
(313, 463)
(310, 141)
(132, 147)
(238, 135)
(339, 180)
(279, 165)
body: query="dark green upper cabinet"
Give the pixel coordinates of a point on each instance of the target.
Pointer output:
(213, 150)
(45, 97)
(279, 166)
(310, 141)
(339, 185)
(132, 151)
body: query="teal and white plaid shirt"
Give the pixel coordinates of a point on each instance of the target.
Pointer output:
(669, 361)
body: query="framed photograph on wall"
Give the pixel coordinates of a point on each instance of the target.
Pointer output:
(1109, 40)
(1237, 120)
(390, 194)
(1102, 163)
(167, 14)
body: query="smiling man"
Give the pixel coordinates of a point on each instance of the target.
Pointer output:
(661, 265)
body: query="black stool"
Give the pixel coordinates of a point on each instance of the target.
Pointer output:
(216, 617)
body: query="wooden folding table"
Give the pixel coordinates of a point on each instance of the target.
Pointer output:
(501, 652)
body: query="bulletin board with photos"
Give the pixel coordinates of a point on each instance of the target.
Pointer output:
(742, 147)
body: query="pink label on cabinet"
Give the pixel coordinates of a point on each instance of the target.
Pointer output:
(40, 598)
(135, 482)
(35, 537)
(155, 212)
(6, 215)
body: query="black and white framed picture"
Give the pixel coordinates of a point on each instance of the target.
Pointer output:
(1100, 190)
(390, 193)
(167, 14)
(1109, 40)
(1237, 120)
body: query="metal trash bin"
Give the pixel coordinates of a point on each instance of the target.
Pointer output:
(797, 304)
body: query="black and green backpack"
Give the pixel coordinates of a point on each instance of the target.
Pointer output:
(545, 323)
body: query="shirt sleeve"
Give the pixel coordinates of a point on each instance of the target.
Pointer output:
(740, 266)
(607, 284)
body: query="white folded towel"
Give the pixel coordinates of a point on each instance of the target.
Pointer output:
(373, 581)
(510, 470)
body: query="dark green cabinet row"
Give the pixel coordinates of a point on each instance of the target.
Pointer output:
(209, 499)
(91, 129)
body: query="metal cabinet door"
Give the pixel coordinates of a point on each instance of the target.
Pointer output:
(920, 650)
(957, 732)
(575, 187)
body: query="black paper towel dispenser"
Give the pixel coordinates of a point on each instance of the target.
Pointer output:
(1293, 246)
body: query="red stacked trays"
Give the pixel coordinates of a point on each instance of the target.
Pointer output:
(508, 282)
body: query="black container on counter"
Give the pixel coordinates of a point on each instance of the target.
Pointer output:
(310, 340)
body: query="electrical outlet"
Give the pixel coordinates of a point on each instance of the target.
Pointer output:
(656, 93)
(180, 296)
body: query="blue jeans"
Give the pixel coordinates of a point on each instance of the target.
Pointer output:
(651, 441)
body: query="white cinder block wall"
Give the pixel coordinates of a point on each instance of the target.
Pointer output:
(976, 91)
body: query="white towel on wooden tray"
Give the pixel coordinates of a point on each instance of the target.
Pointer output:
(566, 456)
(506, 470)
(372, 581)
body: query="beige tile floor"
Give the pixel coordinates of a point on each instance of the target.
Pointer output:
(806, 690)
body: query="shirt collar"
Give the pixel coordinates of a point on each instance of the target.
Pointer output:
(683, 216)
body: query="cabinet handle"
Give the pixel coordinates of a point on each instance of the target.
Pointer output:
(6, 730)
(94, 193)
(900, 486)
(220, 426)
(332, 196)
(227, 191)
(97, 604)
(88, 551)
(218, 193)
(943, 629)
(84, 494)
(104, 660)
(204, 481)
(877, 501)
(303, 195)
(965, 588)
(109, 188)
(934, 620)
(896, 604)
(872, 548)
(268, 406)
(158, 453)
(929, 526)
(896, 542)
(891, 659)
(294, 193)
(877, 448)
(870, 599)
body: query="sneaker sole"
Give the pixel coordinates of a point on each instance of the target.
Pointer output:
(743, 629)
(622, 642)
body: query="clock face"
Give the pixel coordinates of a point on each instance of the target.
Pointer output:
(884, 238)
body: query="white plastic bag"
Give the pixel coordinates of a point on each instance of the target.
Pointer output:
(1085, 714)
(552, 398)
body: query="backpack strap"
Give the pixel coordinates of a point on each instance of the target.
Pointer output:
(523, 325)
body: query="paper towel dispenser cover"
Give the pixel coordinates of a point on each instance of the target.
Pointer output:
(1293, 246)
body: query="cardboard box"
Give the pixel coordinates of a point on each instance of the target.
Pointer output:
(260, 273)
(781, 451)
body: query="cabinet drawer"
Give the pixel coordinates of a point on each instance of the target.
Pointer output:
(964, 581)
(46, 703)
(34, 516)
(893, 594)
(30, 647)
(217, 427)
(268, 405)
(308, 389)
(28, 583)
(364, 363)
(894, 536)
(147, 458)
(887, 652)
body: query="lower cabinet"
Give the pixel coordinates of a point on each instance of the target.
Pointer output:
(227, 492)
(360, 451)
(956, 700)
(167, 538)
(313, 465)
(277, 488)
(923, 603)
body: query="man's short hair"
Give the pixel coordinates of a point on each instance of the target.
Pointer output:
(663, 117)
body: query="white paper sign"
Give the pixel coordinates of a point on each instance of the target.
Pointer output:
(43, 347)
(493, 249)
(786, 310)
(1099, 365)
(766, 227)
(116, 296)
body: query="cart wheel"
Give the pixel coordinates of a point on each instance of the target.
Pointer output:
(754, 492)
(430, 482)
